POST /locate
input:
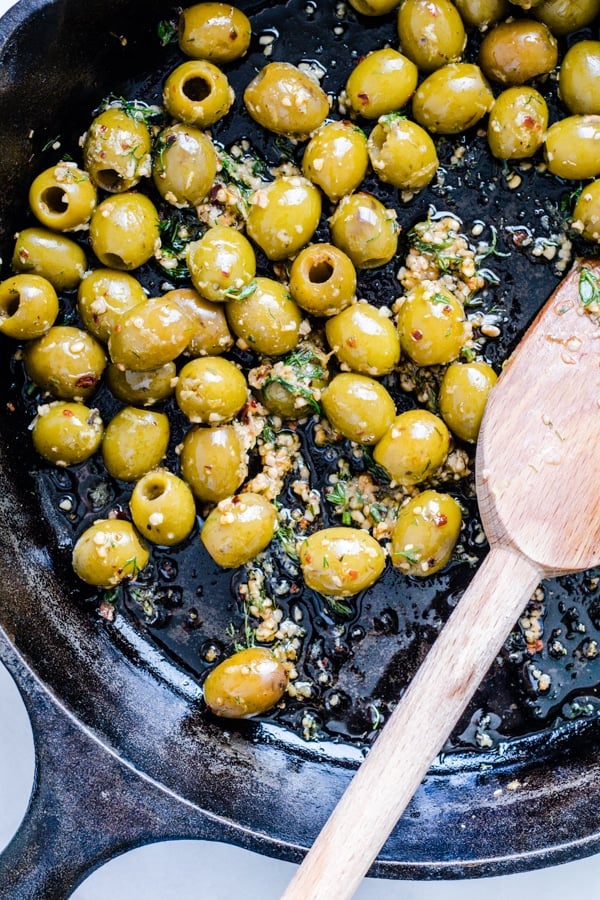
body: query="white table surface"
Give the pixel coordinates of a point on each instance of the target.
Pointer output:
(194, 870)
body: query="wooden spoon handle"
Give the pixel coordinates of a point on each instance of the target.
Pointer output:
(417, 729)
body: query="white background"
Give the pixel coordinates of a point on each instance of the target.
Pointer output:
(190, 870)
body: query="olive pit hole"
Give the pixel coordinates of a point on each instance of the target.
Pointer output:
(109, 180)
(154, 489)
(320, 272)
(197, 89)
(55, 199)
(114, 261)
(9, 306)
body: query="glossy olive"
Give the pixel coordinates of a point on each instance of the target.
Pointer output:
(425, 533)
(185, 165)
(268, 321)
(572, 147)
(431, 33)
(464, 391)
(579, 78)
(414, 446)
(365, 230)
(102, 298)
(291, 387)
(283, 99)
(586, 215)
(215, 31)
(382, 82)
(28, 306)
(402, 153)
(124, 231)
(211, 335)
(163, 507)
(56, 258)
(135, 441)
(481, 12)
(516, 51)
(336, 159)
(143, 388)
(108, 552)
(66, 433)
(198, 93)
(373, 7)
(222, 263)
(432, 325)
(150, 334)
(340, 561)
(66, 361)
(238, 529)
(63, 197)
(358, 407)
(116, 151)
(211, 390)
(323, 280)
(452, 99)
(284, 215)
(248, 683)
(517, 123)
(564, 16)
(213, 462)
(364, 339)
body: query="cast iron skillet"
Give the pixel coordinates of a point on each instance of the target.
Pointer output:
(126, 752)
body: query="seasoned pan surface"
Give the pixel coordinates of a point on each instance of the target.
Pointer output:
(135, 678)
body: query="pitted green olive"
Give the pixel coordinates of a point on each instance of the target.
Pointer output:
(213, 462)
(63, 197)
(163, 508)
(359, 407)
(431, 33)
(66, 361)
(268, 320)
(197, 93)
(124, 231)
(143, 388)
(382, 82)
(464, 391)
(516, 51)
(414, 446)
(452, 99)
(28, 306)
(579, 78)
(66, 433)
(283, 99)
(291, 387)
(482, 13)
(245, 684)
(564, 16)
(185, 165)
(365, 230)
(102, 298)
(238, 529)
(402, 153)
(211, 335)
(215, 31)
(55, 257)
(425, 533)
(341, 562)
(572, 147)
(284, 215)
(336, 159)
(108, 552)
(432, 325)
(586, 215)
(135, 441)
(116, 152)
(323, 280)
(150, 334)
(211, 390)
(364, 339)
(222, 264)
(517, 123)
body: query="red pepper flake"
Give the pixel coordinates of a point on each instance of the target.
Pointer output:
(87, 380)
(416, 335)
(440, 519)
(10, 407)
(351, 342)
(447, 309)
(68, 413)
(352, 574)
(529, 122)
(364, 97)
(308, 558)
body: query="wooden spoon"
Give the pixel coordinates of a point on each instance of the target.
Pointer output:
(538, 488)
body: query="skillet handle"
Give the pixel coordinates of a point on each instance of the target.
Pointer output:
(417, 729)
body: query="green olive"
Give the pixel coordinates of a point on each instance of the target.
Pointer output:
(382, 82)
(215, 31)
(464, 391)
(213, 462)
(564, 16)
(431, 33)
(291, 387)
(586, 215)
(516, 51)
(323, 280)
(573, 147)
(197, 93)
(414, 447)
(211, 335)
(163, 507)
(359, 407)
(364, 339)
(452, 99)
(222, 263)
(336, 159)
(373, 7)
(63, 197)
(482, 13)
(284, 215)
(365, 230)
(116, 151)
(245, 684)
(341, 562)
(402, 153)
(185, 165)
(432, 325)
(526, 4)
(124, 231)
(425, 533)
(143, 388)
(28, 306)
(579, 78)
(102, 298)
(108, 552)
(517, 123)
(238, 529)
(211, 390)
(135, 441)
(56, 258)
(285, 100)
(150, 334)
(66, 361)
(66, 433)
(268, 321)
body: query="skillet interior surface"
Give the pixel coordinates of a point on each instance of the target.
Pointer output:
(135, 681)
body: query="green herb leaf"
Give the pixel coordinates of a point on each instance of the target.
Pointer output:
(241, 293)
(167, 32)
(589, 287)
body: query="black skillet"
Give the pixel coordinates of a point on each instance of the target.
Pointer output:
(126, 752)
